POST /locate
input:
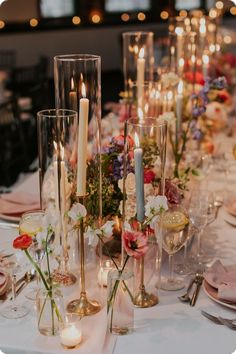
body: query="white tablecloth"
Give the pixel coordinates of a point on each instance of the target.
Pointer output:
(170, 327)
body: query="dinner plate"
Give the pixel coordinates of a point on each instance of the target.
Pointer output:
(212, 293)
(230, 206)
(12, 218)
(230, 219)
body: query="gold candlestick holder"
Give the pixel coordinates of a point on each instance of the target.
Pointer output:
(142, 298)
(83, 306)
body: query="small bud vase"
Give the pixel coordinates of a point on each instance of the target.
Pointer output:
(120, 307)
(50, 311)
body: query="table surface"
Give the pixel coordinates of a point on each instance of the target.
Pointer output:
(170, 327)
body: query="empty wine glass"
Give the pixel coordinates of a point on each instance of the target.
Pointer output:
(31, 223)
(199, 216)
(13, 264)
(175, 228)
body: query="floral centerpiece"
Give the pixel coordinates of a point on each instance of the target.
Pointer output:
(203, 114)
(135, 244)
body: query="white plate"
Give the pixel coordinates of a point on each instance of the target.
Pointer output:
(230, 219)
(10, 218)
(212, 293)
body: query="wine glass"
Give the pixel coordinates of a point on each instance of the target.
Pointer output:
(175, 228)
(13, 264)
(32, 223)
(199, 216)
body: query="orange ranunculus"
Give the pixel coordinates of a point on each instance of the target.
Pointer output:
(22, 242)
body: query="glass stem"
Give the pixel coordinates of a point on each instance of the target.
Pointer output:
(13, 287)
(185, 251)
(171, 268)
(199, 244)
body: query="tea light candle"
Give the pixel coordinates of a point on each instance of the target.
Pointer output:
(70, 336)
(103, 273)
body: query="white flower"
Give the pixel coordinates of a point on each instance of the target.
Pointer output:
(130, 207)
(155, 205)
(107, 228)
(92, 236)
(169, 117)
(129, 184)
(77, 212)
(169, 79)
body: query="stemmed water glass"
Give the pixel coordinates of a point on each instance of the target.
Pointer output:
(175, 227)
(200, 217)
(32, 224)
(13, 264)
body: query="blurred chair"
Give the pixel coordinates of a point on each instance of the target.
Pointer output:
(31, 82)
(14, 157)
(7, 60)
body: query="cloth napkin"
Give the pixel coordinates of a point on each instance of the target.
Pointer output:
(18, 202)
(4, 282)
(224, 279)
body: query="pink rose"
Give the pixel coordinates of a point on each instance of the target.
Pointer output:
(135, 243)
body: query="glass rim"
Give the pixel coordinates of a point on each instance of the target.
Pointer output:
(30, 212)
(153, 121)
(77, 57)
(130, 33)
(57, 113)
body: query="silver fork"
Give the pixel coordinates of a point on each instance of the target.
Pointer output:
(231, 323)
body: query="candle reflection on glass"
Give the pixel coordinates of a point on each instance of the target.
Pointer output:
(103, 272)
(73, 96)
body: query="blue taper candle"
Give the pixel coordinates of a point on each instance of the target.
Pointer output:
(139, 181)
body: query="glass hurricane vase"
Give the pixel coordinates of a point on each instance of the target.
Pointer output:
(78, 86)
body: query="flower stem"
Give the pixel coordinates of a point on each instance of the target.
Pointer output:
(37, 269)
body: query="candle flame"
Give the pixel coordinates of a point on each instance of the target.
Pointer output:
(169, 95)
(83, 90)
(72, 84)
(179, 31)
(181, 62)
(180, 87)
(55, 145)
(205, 59)
(136, 140)
(141, 53)
(62, 151)
(193, 59)
(202, 29)
(140, 113)
(135, 49)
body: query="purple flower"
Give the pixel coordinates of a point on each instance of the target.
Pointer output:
(197, 134)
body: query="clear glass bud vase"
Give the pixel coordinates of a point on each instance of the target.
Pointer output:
(50, 311)
(120, 307)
